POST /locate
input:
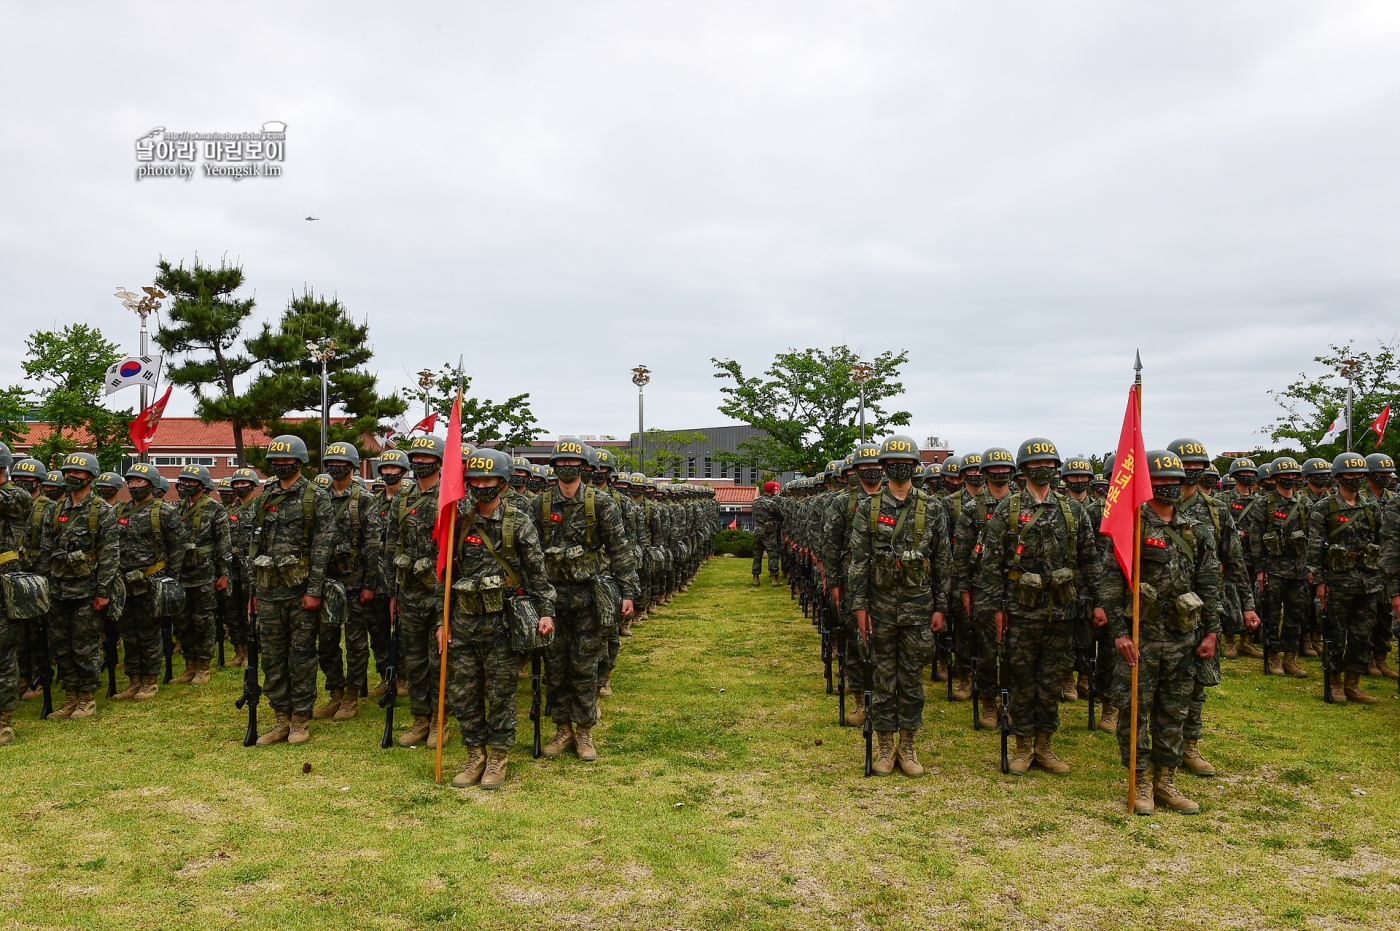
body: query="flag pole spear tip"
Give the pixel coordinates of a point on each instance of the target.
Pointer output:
(1137, 362)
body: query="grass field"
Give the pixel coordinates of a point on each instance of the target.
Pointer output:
(726, 796)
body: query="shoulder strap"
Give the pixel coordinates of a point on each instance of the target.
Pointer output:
(1181, 540)
(546, 500)
(486, 542)
(875, 501)
(155, 528)
(590, 502)
(308, 513)
(920, 512)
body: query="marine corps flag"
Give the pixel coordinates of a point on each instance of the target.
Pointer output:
(1379, 424)
(450, 487)
(1128, 488)
(142, 430)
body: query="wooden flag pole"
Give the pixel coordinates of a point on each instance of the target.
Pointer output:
(446, 638)
(1137, 605)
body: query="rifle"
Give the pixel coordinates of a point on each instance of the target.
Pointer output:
(952, 646)
(1004, 704)
(828, 637)
(1263, 630)
(167, 642)
(391, 678)
(109, 651)
(1093, 676)
(535, 710)
(868, 729)
(42, 676)
(840, 673)
(976, 689)
(1329, 670)
(252, 689)
(219, 635)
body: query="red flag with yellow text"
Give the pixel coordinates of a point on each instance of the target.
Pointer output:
(451, 487)
(1129, 486)
(142, 430)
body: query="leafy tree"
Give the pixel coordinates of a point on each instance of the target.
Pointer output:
(806, 406)
(16, 408)
(71, 364)
(204, 321)
(290, 379)
(508, 424)
(1312, 403)
(665, 450)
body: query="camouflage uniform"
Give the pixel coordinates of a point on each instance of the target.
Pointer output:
(355, 560)
(14, 517)
(380, 624)
(240, 526)
(208, 555)
(1277, 529)
(974, 513)
(767, 534)
(482, 665)
(30, 650)
(624, 507)
(835, 558)
(292, 539)
(1344, 553)
(153, 539)
(583, 539)
(419, 591)
(80, 553)
(1390, 554)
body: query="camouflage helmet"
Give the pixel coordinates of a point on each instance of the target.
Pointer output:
(1350, 462)
(834, 468)
(342, 452)
(624, 480)
(605, 460)
(1100, 480)
(1108, 462)
(1034, 449)
(287, 446)
(1286, 465)
(971, 461)
(520, 464)
(590, 457)
(952, 467)
(1266, 472)
(1000, 456)
(323, 479)
(933, 471)
(1192, 452)
(225, 485)
(7, 458)
(392, 457)
(899, 446)
(1079, 466)
(639, 478)
(1163, 463)
(162, 483)
(108, 480)
(243, 475)
(28, 469)
(489, 463)
(538, 471)
(143, 470)
(866, 454)
(1380, 464)
(1243, 464)
(569, 447)
(80, 462)
(848, 465)
(1316, 467)
(54, 479)
(427, 445)
(196, 473)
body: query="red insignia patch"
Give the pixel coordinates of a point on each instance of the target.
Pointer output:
(1150, 541)
(476, 541)
(1342, 520)
(885, 519)
(556, 517)
(63, 518)
(1025, 518)
(123, 521)
(1281, 515)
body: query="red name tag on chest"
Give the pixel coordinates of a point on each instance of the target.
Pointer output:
(123, 521)
(1342, 520)
(475, 541)
(885, 519)
(270, 507)
(1237, 507)
(233, 517)
(1160, 544)
(1025, 518)
(1281, 515)
(556, 517)
(414, 512)
(63, 518)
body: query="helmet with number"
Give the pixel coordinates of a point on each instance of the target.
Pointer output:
(54, 478)
(971, 462)
(226, 489)
(489, 463)
(1191, 452)
(1350, 462)
(1316, 468)
(1037, 447)
(428, 445)
(342, 452)
(1163, 463)
(287, 446)
(568, 447)
(392, 457)
(243, 475)
(81, 462)
(1266, 472)
(833, 471)
(624, 481)
(590, 457)
(1000, 459)
(933, 472)
(196, 473)
(108, 480)
(1079, 467)
(539, 472)
(952, 468)
(1243, 464)
(1286, 465)
(899, 446)
(142, 470)
(322, 479)
(606, 460)
(639, 478)
(1212, 477)
(1099, 480)
(7, 458)
(28, 470)
(1380, 464)
(866, 455)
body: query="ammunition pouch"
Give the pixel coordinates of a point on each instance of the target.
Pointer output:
(425, 571)
(1298, 543)
(912, 569)
(525, 625)
(26, 595)
(1184, 613)
(1029, 589)
(281, 572)
(1340, 559)
(167, 596)
(475, 597)
(1371, 557)
(196, 556)
(73, 565)
(1063, 588)
(572, 563)
(607, 601)
(344, 562)
(1273, 543)
(883, 567)
(1147, 602)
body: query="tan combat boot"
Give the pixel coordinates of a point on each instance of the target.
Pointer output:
(1309, 646)
(1019, 763)
(1192, 759)
(987, 715)
(149, 688)
(471, 773)
(562, 740)
(201, 672)
(329, 709)
(495, 773)
(431, 742)
(1045, 756)
(66, 710)
(186, 677)
(605, 690)
(349, 704)
(1068, 691)
(280, 728)
(402, 684)
(775, 581)
(940, 671)
(379, 690)
(855, 716)
(1351, 687)
(907, 754)
(962, 689)
(756, 582)
(7, 727)
(884, 754)
(1082, 685)
(523, 671)
(1250, 649)
(297, 731)
(1275, 664)
(1108, 721)
(583, 744)
(130, 691)
(417, 733)
(1232, 646)
(1290, 666)
(240, 655)
(1142, 795)
(1165, 792)
(1378, 660)
(625, 628)
(31, 690)
(1339, 695)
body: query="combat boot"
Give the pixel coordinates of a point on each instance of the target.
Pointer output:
(431, 742)
(471, 773)
(201, 672)
(7, 727)
(297, 732)
(939, 671)
(756, 582)
(417, 733)
(625, 628)
(130, 691)
(1019, 763)
(240, 655)
(1108, 721)
(1068, 692)
(1142, 795)
(149, 688)
(855, 717)
(1232, 646)
(279, 731)
(1045, 756)
(1191, 758)
(562, 740)
(379, 690)
(1249, 648)
(329, 709)
(1082, 685)
(69, 704)
(31, 690)
(775, 581)
(987, 716)
(1339, 695)
(523, 670)
(1310, 647)
(349, 704)
(1275, 664)
(1378, 660)
(1291, 667)
(1352, 689)
(186, 677)
(402, 684)
(495, 773)
(884, 755)
(907, 754)
(962, 689)
(583, 744)
(1164, 791)
(605, 690)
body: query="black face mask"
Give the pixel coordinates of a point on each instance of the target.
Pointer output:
(567, 474)
(489, 493)
(997, 478)
(425, 469)
(76, 483)
(1167, 494)
(534, 484)
(1193, 476)
(1042, 475)
(186, 489)
(242, 490)
(1247, 480)
(1290, 481)
(1078, 488)
(27, 484)
(139, 492)
(54, 493)
(391, 477)
(106, 493)
(600, 479)
(517, 481)
(899, 471)
(973, 481)
(284, 468)
(871, 476)
(338, 470)
(1352, 483)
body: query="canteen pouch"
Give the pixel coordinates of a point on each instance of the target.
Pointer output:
(1340, 559)
(167, 596)
(425, 571)
(912, 568)
(1030, 589)
(265, 572)
(74, 565)
(1185, 613)
(571, 564)
(1147, 603)
(1062, 586)
(1371, 557)
(883, 565)
(525, 625)
(26, 595)
(1273, 543)
(293, 571)
(1298, 543)
(401, 564)
(475, 597)
(117, 598)
(136, 582)
(607, 602)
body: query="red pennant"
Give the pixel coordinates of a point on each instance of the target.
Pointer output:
(142, 430)
(1129, 487)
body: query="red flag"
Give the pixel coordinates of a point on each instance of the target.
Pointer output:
(426, 424)
(734, 524)
(451, 487)
(1380, 423)
(142, 430)
(1129, 487)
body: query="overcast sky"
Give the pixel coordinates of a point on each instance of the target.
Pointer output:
(1018, 194)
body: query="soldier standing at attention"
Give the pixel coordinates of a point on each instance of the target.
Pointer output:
(241, 516)
(80, 553)
(29, 475)
(204, 569)
(835, 558)
(589, 563)
(767, 533)
(14, 514)
(1278, 536)
(898, 584)
(292, 539)
(1243, 501)
(393, 466)
(987, 477)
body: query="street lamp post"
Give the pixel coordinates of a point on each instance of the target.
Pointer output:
(860, 374)
(640, 376)
(323, 352)
(425, 381)
(1349, 367)
(143, 307)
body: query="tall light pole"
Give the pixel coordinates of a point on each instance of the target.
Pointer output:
(143, 307)
(1349, 367)
(640, 376)
(425, 381)
(323, 351)
(860, 374)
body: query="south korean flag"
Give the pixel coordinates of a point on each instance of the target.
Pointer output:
(133, 370)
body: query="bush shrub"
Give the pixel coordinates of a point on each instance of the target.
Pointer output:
(737, 542)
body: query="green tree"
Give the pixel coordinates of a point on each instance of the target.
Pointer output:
(16, 409)
(290, 378)
(665, 450)
(1312, 402)
(203, 322)
(506, 425)
(71, 366)
(807, 407)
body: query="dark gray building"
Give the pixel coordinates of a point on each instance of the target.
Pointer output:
(700, 459)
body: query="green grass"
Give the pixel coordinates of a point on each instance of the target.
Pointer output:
(725, 797)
